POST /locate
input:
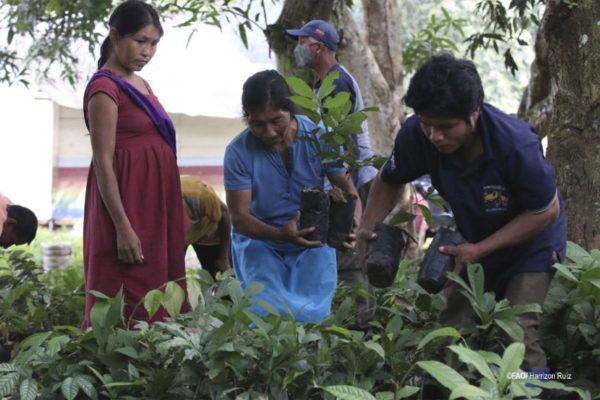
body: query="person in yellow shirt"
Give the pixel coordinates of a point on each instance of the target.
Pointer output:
(210, 230)
(18, 225)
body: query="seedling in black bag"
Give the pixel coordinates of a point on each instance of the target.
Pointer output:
(314, 211)
(435, 265)
(383, 255)
(341, 217)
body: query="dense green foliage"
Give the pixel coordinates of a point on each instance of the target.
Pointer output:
(222, 351)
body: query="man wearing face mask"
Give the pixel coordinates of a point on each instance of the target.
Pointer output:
(316, 49)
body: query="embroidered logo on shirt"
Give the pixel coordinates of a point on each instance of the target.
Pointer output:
(495, 198)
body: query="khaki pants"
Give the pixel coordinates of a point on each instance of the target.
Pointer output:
(525, 288)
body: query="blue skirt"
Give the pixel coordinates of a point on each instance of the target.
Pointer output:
(295, 279)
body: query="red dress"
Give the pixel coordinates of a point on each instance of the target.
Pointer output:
(148, 180)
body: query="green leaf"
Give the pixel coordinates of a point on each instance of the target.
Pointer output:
(511, 327)
(475, 273)
(406, 392)
(384, 395)
(128, 351)
(471, 357)
(114, 314)
(490, 357)
(243, 36)
(36, 340)
(86, 385)
(8, 383)
(7, 367)
(327, 85)
(511, 362)
(54, 6)
(578, 254)
(554, 385)
(194, 290)
(173, 298)
(376, 347)
(152, 301)
(313, 115)
(98, 314)
(338, 330)
(254, 288)
(441, 332)
(304, 102)
(28, 389)
(69, 388)
(347, 392)
(55, 344)
(468, 392)
(99, 295)
(565, 272)
(299, 87)
(443, 374)
(426, 214)
(339, 100)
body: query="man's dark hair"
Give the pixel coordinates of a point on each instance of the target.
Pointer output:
(26, 227)
(266, 88)
(445, 87)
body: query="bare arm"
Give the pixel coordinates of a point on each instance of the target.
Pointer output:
(238, 203)
(224, 238)
(103, 114)
(519, 230)
(382, 199)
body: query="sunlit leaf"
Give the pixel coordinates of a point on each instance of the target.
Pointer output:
(173, 298)
(347, 392)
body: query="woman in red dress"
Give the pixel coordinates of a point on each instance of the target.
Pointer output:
(133, 222)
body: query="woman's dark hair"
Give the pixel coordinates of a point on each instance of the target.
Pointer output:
(445, 87)
(266, 88)
(26, 227)
(129, 17)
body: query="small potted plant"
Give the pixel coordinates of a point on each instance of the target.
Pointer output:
(331, 213)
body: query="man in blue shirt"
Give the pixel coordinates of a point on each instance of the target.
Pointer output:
(317, 45)
(491, 169)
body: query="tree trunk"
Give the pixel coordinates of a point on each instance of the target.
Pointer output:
(378, 69)
(563, 102)
(294, 14)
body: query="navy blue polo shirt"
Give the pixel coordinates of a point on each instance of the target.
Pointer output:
(510, 177)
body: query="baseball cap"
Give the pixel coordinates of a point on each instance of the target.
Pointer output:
(321, 31)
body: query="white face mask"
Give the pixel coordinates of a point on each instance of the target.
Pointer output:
(304, 57)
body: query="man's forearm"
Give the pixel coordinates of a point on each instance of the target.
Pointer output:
(382, 199)
(519, 230)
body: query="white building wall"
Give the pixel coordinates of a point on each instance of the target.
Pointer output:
(26, 148)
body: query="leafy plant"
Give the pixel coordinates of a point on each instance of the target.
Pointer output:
(570, 330)
(500, 378)
(222, 350)
(32, 301)
(333, 114)
(503, 26)
(434, 37)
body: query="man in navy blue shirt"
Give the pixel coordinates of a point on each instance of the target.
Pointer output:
(317, 45)
(491, 169)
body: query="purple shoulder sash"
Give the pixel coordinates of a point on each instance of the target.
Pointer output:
(159, 117)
